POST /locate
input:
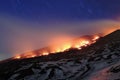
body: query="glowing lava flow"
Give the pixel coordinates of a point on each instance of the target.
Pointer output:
(77, 44)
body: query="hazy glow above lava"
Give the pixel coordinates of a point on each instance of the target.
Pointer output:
(77, 44)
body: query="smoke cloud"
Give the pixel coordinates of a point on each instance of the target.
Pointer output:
(18, 35)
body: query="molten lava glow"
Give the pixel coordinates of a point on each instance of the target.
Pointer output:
(81, 43)
(77, 44)
(96, 37)
(45, 53)
(17, 57)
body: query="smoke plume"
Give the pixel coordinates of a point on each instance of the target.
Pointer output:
(18, 36)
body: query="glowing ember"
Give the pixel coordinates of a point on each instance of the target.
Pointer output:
(33, 55)
(17, 57)
(45, 53)
(96, 37)
(82, 43)
(78, 44)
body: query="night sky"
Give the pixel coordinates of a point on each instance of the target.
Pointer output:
(31, 23)
(63, 9)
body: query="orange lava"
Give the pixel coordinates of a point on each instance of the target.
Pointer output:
(77, 44)
(17, 57)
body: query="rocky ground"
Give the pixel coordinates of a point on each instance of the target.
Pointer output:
(100, 61)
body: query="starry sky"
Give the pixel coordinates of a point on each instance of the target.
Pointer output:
(64, 9)
(21, 20)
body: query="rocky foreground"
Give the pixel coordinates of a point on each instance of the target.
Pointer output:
(100, 61)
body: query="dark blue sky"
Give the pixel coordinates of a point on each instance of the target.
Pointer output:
(61, 9)
(26, 23)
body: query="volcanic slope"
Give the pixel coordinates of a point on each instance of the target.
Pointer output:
(99, 61)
